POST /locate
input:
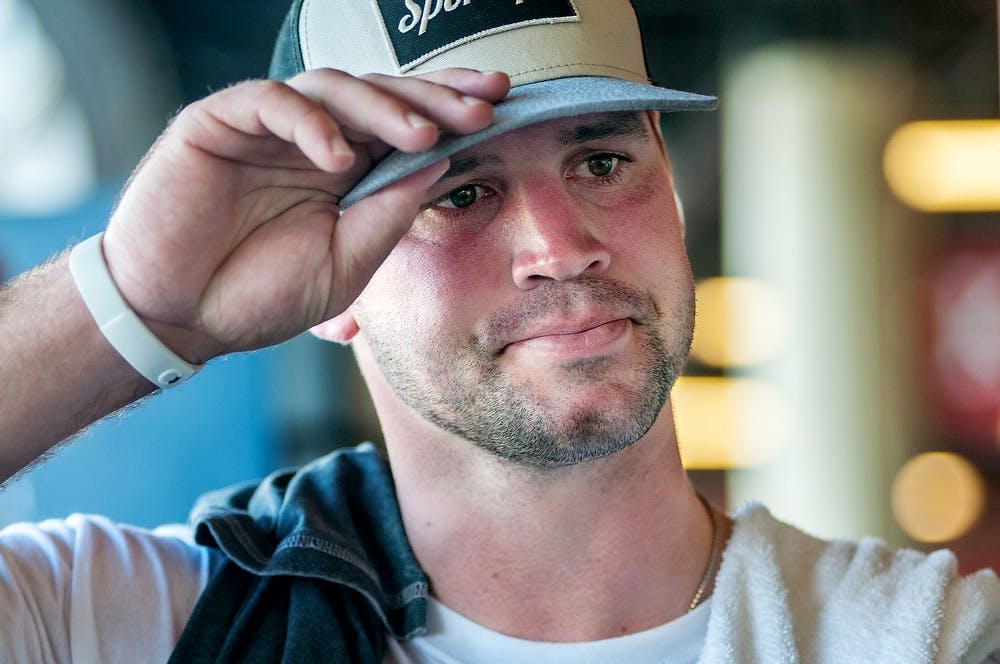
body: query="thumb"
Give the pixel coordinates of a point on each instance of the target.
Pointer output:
(368, 230)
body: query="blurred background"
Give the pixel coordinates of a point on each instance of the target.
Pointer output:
(843, 220)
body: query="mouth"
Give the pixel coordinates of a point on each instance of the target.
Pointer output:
(584, 318)
(574, 340)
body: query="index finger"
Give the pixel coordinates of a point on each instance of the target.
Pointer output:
(491, 86)
(404, 112)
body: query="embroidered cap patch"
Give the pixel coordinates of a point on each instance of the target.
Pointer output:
(420, 29)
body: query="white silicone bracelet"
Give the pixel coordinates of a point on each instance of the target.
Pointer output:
(119, 324)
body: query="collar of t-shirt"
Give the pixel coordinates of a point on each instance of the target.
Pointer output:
(454, 639)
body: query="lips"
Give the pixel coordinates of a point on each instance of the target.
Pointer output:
(573, 339)
(568, 317)
(564, 328)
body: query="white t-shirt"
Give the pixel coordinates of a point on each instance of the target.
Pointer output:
(88, 590)
(454, 639)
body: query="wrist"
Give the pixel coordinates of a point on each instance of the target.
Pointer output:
(120, 325)
(191, 345)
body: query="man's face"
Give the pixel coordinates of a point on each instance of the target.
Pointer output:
(542, 304)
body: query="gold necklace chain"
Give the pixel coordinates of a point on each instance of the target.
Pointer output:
(712, 556)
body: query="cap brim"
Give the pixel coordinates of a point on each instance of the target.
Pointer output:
(530, 104)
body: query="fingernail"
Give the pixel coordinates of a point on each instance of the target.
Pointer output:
(341, 150)
(473, 101)
(418, 121)
(442, 166)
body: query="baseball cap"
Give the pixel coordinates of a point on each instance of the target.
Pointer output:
(564, 58)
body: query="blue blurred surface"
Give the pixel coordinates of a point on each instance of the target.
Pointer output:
(145, 466)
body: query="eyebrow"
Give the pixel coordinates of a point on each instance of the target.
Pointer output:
(613, 125)
(608, 126)
(466, 164)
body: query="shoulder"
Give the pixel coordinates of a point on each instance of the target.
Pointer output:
(862, 596)
(57, 548)
(758, 535)
(87, 585)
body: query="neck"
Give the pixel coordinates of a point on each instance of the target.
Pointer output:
(580, 553)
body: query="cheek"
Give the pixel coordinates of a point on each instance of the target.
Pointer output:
(644, 223)
(437, 287)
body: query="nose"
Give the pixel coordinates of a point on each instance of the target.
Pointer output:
(554, 238)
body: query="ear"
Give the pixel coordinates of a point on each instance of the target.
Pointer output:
(339, 329)
(680, 211)
(654, 123)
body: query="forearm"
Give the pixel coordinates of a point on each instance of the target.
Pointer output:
(230, 238)
(57, 372)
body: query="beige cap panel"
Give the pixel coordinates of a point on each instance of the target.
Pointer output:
(605, 42)
(345, 35)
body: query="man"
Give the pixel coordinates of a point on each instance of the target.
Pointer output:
(513, 279)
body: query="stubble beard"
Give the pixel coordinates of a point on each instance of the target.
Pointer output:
(469, 394)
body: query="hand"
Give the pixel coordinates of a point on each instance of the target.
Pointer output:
(228, 237)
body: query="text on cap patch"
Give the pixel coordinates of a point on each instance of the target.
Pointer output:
(420, 29)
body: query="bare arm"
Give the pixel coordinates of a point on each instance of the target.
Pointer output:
(57, 373)
(229, 238)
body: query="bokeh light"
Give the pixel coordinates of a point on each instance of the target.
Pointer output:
(937, 497)
(728, 422)
(741, 322)
(941, 166)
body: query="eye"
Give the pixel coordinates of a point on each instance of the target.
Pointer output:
(463, 197)
(462, 211)
(601, 165)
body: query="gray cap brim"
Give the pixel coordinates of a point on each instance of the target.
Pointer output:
(529, 104)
